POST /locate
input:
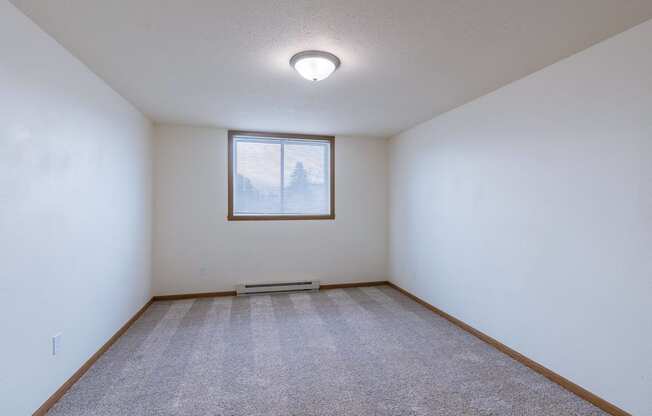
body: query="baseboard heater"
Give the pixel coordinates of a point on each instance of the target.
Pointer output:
(280, 287)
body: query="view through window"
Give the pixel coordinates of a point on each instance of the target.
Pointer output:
(277, 176)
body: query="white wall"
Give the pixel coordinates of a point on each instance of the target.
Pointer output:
(528, 214)
(197, 250)
(74, 213)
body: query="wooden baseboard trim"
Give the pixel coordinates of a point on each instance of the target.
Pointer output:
(348, 285)
(194, 295)
(233, 293)
(547, 373)
(51, 401)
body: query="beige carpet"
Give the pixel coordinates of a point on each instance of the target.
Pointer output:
(363, 351)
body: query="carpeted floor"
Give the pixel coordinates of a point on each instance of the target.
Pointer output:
(363, 351)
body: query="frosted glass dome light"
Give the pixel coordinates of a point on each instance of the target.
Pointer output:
(315, 65)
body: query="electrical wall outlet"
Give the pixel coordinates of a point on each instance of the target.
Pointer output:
(56, 343)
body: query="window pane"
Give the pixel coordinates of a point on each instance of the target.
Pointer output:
(280, 176)
(257, 178)
(306, 178)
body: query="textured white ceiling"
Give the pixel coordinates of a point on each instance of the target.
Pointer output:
(225, 63)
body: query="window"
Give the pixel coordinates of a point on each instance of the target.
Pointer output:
(276, 176)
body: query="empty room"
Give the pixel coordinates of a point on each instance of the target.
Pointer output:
(325, 208)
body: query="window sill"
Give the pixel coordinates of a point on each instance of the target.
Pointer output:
(279, 217)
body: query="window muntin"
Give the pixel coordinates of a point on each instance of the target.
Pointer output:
(276, 176)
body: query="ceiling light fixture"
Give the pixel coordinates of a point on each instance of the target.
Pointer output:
(315, 65)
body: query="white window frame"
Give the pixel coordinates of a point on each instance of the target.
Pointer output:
(279, 138)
